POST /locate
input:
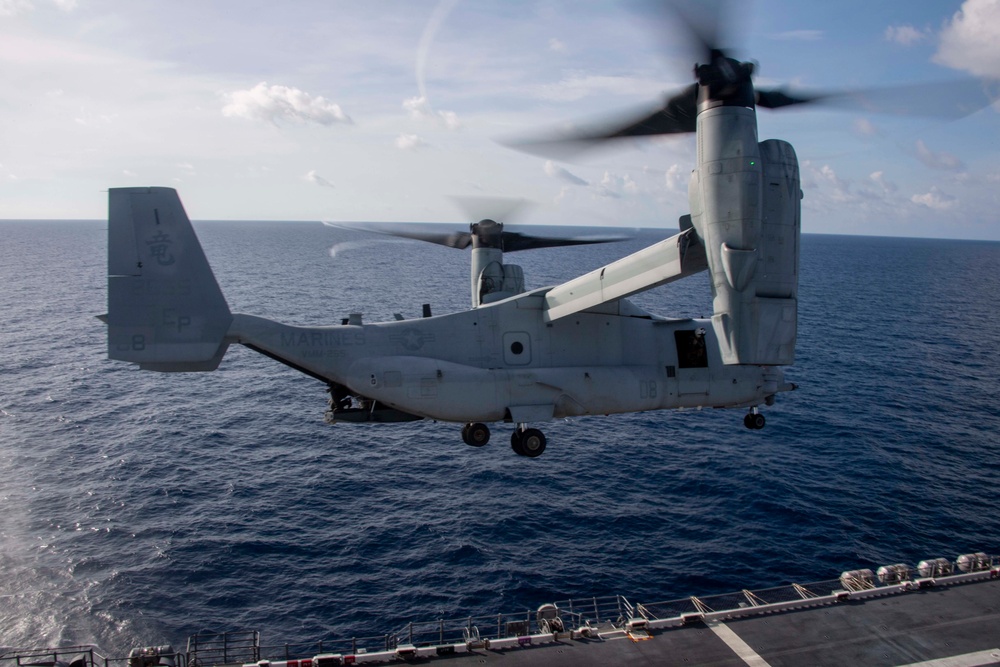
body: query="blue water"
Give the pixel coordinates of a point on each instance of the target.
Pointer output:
(138, 508)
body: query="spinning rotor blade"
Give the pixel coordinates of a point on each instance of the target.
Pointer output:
(514, 241)
(490, 233)
(703, 23)
(675, 116)
(948, 100)
(495, 208)
(778, 98)
(485, 230)
(722, 80)
(405, 230)
(945, 99)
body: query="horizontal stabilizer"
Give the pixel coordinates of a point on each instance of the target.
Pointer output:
(664, 262)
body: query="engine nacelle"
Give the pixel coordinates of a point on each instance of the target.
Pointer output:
(492, 280)
(745, 207)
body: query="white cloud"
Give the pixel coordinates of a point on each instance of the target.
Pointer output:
(608, 187)
(276, 103)
(865, 128)
(935, 199)
(944, 161)
(904, 34)
(565, 192)
(551, 169)
(673, 178)
(970, 41)
(316, 179)
(613, 186)
(420, 108)
(826, 180)
(556, 45)
(827, 172)
(886, 185)
(409, 142)
(450, 119)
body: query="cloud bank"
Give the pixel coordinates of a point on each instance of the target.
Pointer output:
(970, 41)
(935, 199)
(282, 103)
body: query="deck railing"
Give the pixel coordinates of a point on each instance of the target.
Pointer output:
(598, 613)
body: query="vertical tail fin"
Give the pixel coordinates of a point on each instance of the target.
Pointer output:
(165, 309)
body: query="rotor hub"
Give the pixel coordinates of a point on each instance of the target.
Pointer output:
(724, 82)
(487, 234)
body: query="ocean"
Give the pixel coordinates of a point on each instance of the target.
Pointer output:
(139, 508)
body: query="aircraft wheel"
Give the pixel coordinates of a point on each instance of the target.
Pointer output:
(476, 434)
(747, 421)
(515, 443)
(532, 442)
(758, 421)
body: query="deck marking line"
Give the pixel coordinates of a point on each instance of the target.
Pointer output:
(739, 647)
(987, 657)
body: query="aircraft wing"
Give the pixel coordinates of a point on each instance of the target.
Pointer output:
(669, 260)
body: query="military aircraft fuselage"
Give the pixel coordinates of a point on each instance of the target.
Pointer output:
(502, 361)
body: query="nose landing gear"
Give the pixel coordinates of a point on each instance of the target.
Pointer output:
(754, 420)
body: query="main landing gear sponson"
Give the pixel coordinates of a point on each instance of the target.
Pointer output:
(476, 434)
(754, 420)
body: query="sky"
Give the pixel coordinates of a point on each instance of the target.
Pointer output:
(385, 110)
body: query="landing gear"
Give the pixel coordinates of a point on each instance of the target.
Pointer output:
(528, 442)
(525, 441)
(476, 434)
(515, 443)
(754, 420)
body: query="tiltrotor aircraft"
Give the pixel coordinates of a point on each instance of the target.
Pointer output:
(524, 356)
